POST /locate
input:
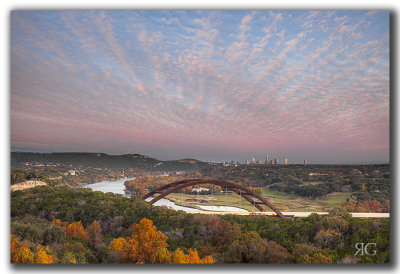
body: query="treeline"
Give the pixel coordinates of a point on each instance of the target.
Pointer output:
(41, 217)
(309, 190)
(19, 175)
(367, 206)
(366, 182)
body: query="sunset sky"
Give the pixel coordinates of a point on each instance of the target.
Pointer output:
(210, 85)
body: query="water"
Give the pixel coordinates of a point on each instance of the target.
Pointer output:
(110, 186)
(172, 205)
(222, 208)
(118, 188)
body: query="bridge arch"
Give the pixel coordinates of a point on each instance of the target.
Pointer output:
(252, 197)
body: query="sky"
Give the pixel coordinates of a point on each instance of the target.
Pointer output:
(211, 85)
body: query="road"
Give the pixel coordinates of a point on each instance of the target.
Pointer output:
(300, 214)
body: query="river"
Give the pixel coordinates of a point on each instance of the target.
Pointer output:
(118, 188)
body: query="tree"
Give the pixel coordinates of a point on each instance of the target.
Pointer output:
(147, 245)
(95, 234)
(277, 254)
(69, 258)
(42, 256)
(143, 246)
(363, 187)
(316, 258)
(120, 250)
(326, 237)
(53, 234)
(58, 222)
(20, 252)
(179, 257)
(76, 230)
(246, 247)
(147, 240)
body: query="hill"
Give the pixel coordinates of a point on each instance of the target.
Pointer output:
(102, 160)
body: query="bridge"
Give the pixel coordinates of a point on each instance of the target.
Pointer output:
(252, 197)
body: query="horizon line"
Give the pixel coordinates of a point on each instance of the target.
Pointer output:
(263, 164)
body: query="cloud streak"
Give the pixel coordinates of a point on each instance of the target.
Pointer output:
(174, 84)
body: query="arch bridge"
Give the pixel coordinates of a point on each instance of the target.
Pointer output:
(252, 197)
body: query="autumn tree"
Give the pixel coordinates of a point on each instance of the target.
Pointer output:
(94, 234)
(147, 245)
(120, 250)
(148, 240)
(179, 257)
(69, 258)
(363, 187)
(42, 256)
(21, 252)
(143, 246)
(73, 230)
(76, 230)
(58, 222)
(277, 254)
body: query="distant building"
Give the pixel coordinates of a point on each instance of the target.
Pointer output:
(232, 163)
(253, 160)
(285, 161)
(276, 161)
(247, 162)
(200, 189)
(266, 160)
(270, 162)
(305, 162)
(259, 162)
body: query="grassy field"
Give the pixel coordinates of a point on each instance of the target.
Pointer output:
(218, 199)
(284, 202)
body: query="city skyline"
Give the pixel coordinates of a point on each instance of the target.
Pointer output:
(210, 85)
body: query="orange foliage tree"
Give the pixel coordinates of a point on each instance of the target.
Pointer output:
(144, 246)
(147, 245)
(21, 253)
(59, 223)
(179, 257)
(41, 256)
(76, 230)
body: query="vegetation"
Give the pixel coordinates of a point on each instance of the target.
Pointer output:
(59, 223)
(20, 175)
(68, 225)
(366, 183)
